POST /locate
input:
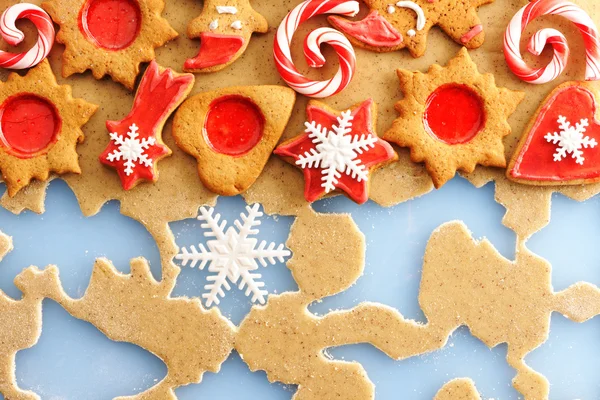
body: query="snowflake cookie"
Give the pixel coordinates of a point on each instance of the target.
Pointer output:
(109, 36)
(40, 127)
(224, 29)
(338, 150)
(560, 146)
(136, 141)
(233, 255)
(453, 118)
(395, 25)
(232, 132)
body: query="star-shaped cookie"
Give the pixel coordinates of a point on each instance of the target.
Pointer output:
(453, 118)
(394, 25)
(338, 150)
(224, 28)
(109, 37)
(40, 127)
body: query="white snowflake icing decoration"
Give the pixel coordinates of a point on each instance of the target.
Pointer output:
(337, 152)
(131, 149)
(570, 140)
(233, 254)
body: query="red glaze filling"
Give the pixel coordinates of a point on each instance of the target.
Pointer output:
(29, 125)
(374, 30)
(454, 114)
(536, 160)
(215, 49)
(234, 125)
(111, 24)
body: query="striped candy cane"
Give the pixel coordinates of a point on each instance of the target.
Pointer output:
(14, 36)
(312, 51)
(557, 40)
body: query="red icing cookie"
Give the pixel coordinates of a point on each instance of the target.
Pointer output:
(338, 151)
(560, 146)
(136, 141)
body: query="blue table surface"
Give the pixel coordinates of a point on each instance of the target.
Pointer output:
(73, 360)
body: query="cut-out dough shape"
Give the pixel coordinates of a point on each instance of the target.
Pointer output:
(109, 37)
(232, 132)
(453, 118)
(224, 28)
(559, 146)
(136, 144)
(52, 120)
(392, 26)
(464, 282)
(137, 309)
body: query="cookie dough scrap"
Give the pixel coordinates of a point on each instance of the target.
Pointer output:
(392, 26)
(53, 119)
(224, 28)
(135, 308)
(464, 282)
(109, 37)
(458, 389)
(453, 118)
(20, 328)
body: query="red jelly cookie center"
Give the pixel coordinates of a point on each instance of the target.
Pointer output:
(454, 114)
(111, 24)
(234, 125)
(28, 125)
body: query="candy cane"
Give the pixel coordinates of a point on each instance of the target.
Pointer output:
(312, 51)
(14, 36)
(566, 9)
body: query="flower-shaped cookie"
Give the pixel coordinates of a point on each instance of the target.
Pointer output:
(109, 36)
(40, 126)
(453, 118)
(224, 29)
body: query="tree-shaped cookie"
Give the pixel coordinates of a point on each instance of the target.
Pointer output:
(453, 118)
(136, 143)
(109, 36)
(338, 150)
(232, 132)
(392, 26)
(40, 127)
(224, 28)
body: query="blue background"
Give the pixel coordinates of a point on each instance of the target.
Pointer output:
(73, 360)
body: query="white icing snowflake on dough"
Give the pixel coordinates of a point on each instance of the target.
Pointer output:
(131, 149)
(337, 152)
(570, 140)
(233, 254)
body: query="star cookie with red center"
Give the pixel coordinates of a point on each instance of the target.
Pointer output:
(453, 118)
(338, 150)
(224, 29)
(40, 127)
(136, 143)
(109, 37)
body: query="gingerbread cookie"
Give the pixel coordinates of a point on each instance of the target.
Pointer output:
(109, 36)
(40, 127)
(392, 26)
(560, 144)
(224, 29)
(338, 150)
(136, 143)
(232, 132)
(453, 118)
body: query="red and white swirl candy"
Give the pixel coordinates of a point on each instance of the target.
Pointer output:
(557, 40)
(14, 36)
(312, 51)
